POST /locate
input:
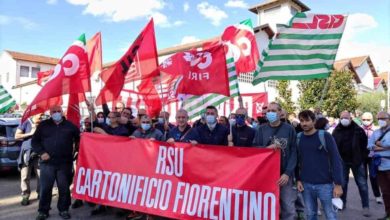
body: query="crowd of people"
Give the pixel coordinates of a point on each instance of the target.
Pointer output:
(317, 153)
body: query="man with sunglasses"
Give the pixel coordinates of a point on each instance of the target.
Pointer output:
(242, 134)
(113, 127)
(55, 141)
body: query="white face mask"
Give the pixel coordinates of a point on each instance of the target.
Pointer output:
(367, 123)
(382, 123)
(345, 122)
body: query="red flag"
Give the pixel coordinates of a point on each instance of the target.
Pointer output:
(94, 49)
(242, 44)
(150, 96)
(73, 111)
(71, 76)
(259, 100)
(44, 76)
(142, 55)
(199, 72)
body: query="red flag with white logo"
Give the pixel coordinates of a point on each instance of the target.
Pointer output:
(71, 76)
(198, 72)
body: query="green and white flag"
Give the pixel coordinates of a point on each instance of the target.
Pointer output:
(196, 105)
(6, 100)
(304, 49)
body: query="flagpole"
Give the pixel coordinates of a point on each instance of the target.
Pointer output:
(324, 91)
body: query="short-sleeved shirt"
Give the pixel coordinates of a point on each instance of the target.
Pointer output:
(26, 127)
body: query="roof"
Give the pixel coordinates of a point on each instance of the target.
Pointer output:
(384, 76)
(341, 65)
(358, 61)
(32, 57)
(271, 3)
(266, 28)
(378, 81)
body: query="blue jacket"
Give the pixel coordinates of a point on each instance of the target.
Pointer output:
(385, 142)
(203, 135)
(177, 135)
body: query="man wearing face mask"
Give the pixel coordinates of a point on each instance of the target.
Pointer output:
(163, 124)
(211, 132)
(146, 131)
(352, 145)
(242, 134)
(279, 135)
(54, 141)
(369, 128)
(112, 126)
(380, 143)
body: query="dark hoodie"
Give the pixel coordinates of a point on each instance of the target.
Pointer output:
(351, 142)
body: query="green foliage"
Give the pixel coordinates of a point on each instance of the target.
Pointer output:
(285, 95)
(371, 102)
(341, 94)
(311, 91)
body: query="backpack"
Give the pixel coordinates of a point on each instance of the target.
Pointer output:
(321, 136)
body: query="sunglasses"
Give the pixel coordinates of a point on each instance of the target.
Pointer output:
(58, 111)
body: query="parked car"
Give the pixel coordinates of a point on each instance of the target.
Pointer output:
(9, 146)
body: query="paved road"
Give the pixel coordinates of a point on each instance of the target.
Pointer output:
(10, 207)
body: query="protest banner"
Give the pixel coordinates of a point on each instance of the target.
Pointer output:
(180, 181)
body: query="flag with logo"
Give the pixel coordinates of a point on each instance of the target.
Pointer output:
(6, 100)
(304, 49)
(71, 76)
(198, 72)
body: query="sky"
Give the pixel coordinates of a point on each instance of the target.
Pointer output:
(48, 27)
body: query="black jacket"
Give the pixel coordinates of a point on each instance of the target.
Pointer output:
(56, 140)
(358, 141)
(243, 136)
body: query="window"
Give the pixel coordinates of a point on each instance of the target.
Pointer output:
(245, 77)
(34, 72)
(24, 71)
(272, 83)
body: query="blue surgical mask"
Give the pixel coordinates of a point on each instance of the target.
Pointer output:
(232, 122)
(272, 116)
(145, 126)
(255, 125)
(100, 120)
(240, 121)
(211, 119)
(161, 120)
(57, 116)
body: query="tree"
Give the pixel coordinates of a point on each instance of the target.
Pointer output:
(285, 95)
(371, 102)
(311, 92)
(341, 94)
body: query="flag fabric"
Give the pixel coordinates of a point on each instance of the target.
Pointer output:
(44, 76)
(241, 42)
(196, 105)
(94, 50)
(71, 76)
(150, 97)
(142, 55)
(73, 111)
(304, 49)
(198, 72)
(6, 100)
